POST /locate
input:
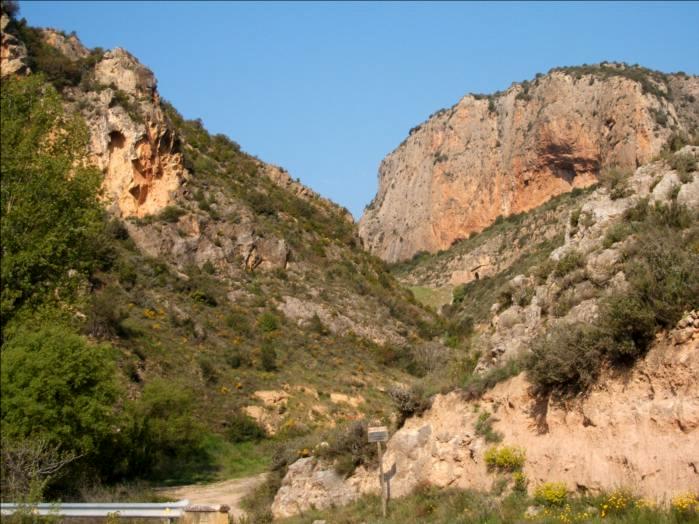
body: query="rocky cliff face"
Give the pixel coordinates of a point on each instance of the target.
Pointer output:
(638, 431)
(13, 52)
(130, 139)
(512, 151)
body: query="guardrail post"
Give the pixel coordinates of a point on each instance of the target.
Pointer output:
(197, 514)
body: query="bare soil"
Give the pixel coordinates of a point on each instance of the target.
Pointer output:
(229, 492)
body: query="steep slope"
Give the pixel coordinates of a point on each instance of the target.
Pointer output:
(604, 320)
(637, 431)
(509, 152)
(223, 278)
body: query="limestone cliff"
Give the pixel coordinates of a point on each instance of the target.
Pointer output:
(501, 154)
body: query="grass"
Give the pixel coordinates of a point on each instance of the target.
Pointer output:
(432, 505)
(242, 459)
(433, 298)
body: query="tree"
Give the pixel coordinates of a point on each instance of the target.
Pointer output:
(59, 389)
(51, 219)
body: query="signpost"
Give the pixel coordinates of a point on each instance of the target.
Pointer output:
(379, 434)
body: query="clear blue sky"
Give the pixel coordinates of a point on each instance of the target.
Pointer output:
(326, 90)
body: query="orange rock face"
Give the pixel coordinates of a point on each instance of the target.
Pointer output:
(511, 152)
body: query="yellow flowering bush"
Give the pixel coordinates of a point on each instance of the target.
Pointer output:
(505, 458)
(551, 493)
(616, 502)
(520, 482)
(686, 503)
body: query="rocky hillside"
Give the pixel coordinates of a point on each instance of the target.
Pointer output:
(220, 279)
(637, 431)
(496, 155)
(584, 353)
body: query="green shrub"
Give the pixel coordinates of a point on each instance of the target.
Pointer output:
(484, 428)
(60, 393)
(107, 313)
(616, 182)
(268, 322)
(268, 358)
(567, 357)
(569, 262)
(505, 458)
(520, 482)
(575, 217)
(238, 321)
(684, 165)
(551, 493)
(409, 402)
(316, 326)
(51, 218)
(171, 214)
(616, 233)
(242, 428)
(476, 385)
(348, 447)
(208, 370)
(163, 423)
(235, 358)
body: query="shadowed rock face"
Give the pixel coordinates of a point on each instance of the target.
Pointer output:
(508, 153)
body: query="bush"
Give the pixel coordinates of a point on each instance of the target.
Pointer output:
(484, 428)
(409, 401)
(171, 214)
(551, 493)
(349, 448)
(268, 322)
(242, 428)
(51, 218)
(569, 262)
(616, 182)
(505, 458)
(616, 233)
(427, 358)
(630, 325)
(567, 357)
(268, 358)
(520, 482)
(476, 385)
(684, 164)
(208, 370)
(107, 314)
(62, 391)
(168, 434)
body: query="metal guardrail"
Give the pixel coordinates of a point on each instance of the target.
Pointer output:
(165, 510)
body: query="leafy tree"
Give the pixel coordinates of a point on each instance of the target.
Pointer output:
(58, 388)
(163, 434)
(51, 219)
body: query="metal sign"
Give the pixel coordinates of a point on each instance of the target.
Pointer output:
(377, 433)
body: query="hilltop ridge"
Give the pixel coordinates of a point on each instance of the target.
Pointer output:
(496, 155)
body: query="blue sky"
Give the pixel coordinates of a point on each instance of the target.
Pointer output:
(326, 90)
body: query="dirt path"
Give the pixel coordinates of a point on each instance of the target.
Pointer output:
(228, 492)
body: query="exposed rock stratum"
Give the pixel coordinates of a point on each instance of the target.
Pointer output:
(496, 155)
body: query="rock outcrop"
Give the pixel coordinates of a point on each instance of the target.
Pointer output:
(13, 52)
(69, 45)
(510, 152)
(637, 430)
(130, 138)
(575, 297)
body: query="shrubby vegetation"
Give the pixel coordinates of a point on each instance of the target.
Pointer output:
(51, 222)
(660, 267)
(436, 505)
